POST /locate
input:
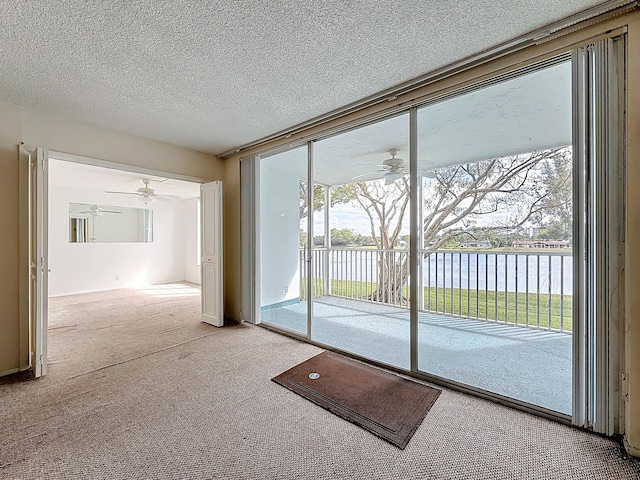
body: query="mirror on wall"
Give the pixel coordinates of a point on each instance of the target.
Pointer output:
(97, 223)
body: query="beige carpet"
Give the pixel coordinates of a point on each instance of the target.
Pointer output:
(139, 388)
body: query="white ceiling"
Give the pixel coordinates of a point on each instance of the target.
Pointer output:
(99, 179)
(213, 75)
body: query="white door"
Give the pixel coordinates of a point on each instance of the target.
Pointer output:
(38, 252)
(211, 259)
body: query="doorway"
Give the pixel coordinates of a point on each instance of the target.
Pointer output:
(87, 240)
(104, 234)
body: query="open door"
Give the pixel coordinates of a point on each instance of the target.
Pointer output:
(211, 259)
(35, 162)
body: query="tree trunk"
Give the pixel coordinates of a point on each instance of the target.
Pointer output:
(393, 275)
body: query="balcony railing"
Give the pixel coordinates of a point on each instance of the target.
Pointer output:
(532, 289)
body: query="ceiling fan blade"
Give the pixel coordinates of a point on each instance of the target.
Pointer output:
(165, 195)
(368, 173)
(161, 198)
(110, 211)
(123, 193)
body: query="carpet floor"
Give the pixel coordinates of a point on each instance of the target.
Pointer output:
(139, 388)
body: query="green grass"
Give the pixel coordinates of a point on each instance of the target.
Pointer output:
(543, 309)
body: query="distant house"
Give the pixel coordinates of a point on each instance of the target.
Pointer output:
(542, 244)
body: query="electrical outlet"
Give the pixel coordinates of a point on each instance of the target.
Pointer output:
(286, 288)
(117, 277)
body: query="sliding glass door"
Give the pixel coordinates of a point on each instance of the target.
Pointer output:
(497, 273)
(361, 241)
(283, 231)
(496, 248)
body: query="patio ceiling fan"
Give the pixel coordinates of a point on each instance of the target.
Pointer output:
(395, 168)
(98, 211)
(146, 194)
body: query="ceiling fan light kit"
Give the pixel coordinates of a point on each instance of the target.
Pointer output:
(145, 200)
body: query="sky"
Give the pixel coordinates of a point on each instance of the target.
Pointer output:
(355, 218)
(345, 216)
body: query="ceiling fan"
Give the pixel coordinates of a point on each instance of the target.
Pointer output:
(146, 194)
(393, 168)
(98, 211)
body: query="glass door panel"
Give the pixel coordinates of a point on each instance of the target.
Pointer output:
(283, 240)
(362, 245)
(496, 251)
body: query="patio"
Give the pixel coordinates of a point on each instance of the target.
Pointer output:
(527, 364)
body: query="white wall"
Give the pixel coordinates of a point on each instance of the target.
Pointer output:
(89, 267)
(279, 235)
(190, 228)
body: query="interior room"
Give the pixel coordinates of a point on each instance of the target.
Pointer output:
(134, 240)
(199, 200)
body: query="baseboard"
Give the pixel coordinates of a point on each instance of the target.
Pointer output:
(633, 451)
(82, 292)
(113, 288)
(9, 372)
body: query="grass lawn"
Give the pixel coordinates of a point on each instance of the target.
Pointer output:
(543, 310)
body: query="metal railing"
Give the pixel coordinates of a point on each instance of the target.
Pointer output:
(532, 289)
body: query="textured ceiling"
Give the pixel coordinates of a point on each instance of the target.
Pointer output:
(213, 75)
(523, 114)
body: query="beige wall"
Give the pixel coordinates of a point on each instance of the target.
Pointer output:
(632, 265)
(19, 124)
(231, 247)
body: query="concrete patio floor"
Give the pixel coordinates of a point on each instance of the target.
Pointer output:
(525, 364)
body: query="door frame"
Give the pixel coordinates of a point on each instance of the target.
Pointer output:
(27, 222)
(33, 255)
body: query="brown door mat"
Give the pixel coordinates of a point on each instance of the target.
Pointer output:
(387, 405)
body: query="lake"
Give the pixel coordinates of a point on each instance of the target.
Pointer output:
(523, 272)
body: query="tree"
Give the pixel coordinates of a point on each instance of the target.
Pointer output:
(558, 230)
(558, 219)
(386, 206)
(318, 198)
(337, 197)
(525, 188)
(344, 236)
(505, 237)
(303, 238)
